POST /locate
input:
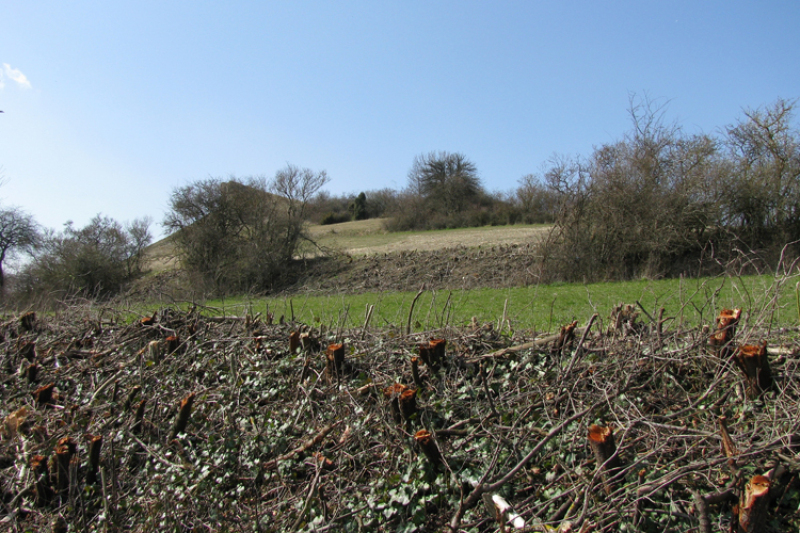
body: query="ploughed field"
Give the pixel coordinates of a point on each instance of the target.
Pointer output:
(187, 421)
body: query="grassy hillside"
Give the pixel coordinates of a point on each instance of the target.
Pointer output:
(367, 237)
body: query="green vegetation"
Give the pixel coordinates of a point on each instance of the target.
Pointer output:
(538, 308)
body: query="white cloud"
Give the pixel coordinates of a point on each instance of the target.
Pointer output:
(14, 75)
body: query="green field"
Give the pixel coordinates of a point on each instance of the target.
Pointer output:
(764, 300)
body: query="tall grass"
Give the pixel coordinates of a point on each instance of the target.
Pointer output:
(769, 300)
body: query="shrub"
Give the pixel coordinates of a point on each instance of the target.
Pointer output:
(242, 235)
(95, 261)
(334, 218)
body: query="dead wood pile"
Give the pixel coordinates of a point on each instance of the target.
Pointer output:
(180, 421)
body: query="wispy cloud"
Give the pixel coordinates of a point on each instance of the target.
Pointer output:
(14, 75)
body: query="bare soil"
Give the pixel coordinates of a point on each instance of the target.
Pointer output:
(496, 266)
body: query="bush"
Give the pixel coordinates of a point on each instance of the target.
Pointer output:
(334, 218)
(96, 261)
(660, 202)
(242, 235)
(635, 206)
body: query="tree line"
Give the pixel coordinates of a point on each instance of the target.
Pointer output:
(658, 202)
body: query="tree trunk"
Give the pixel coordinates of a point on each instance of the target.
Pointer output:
(753, 512)
(754, 364)
(601, 440)
(722, 338)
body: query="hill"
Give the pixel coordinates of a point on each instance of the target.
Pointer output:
(370, 258)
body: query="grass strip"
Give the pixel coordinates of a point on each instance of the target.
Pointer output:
(765, 300)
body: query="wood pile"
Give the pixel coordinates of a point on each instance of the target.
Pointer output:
(187, 421)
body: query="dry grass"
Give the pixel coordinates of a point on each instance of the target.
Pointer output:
(367, 237)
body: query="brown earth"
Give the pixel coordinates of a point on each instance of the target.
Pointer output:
(447, 269)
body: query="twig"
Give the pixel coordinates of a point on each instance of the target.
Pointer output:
(473, 498)
(487, 391)
(273, 463)
(156, 456)
(103, 386)
(310, 494)
(411, 311)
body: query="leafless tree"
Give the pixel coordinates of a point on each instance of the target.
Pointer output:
(762, 200)
(242, 234)
(18, 233)
(96, 260)
(449, 182)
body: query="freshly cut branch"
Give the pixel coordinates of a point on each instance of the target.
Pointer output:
(183, 416)
(392, 393)
(42, 491)
(432, 352)
(425, 441)
(95, 445)
(722, 337)
(408, 403)
(538, 343)
(44, 394)
(273, 464)
(566, 336)
(601, 440)
(753, 507)
(334, 358)
(754, 364)
(728, 447)
(294, 342)
(64, 451)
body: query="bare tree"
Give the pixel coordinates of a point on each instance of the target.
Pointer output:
(97, 260)
(242, 234)
(638, 206)
(18, 232)
(762, 202)
(297, 186)
(537, 203)
(448, 182)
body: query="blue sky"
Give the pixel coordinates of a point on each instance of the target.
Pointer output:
(108, 106)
